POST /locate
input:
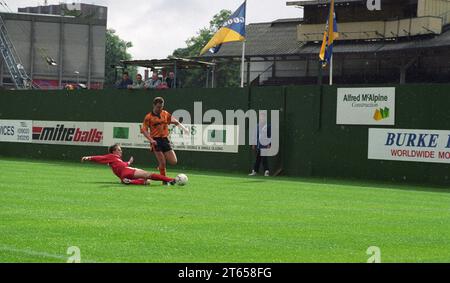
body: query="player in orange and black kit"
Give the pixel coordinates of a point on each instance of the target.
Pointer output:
(156, 129)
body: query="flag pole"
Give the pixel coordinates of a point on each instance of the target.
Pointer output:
(243, 49)
(243, 64)
(331, 70)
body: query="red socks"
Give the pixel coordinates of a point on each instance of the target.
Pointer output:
(156, 177)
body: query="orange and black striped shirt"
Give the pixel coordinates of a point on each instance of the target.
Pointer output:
(158, 124)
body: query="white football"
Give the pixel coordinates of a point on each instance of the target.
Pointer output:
(182, 180)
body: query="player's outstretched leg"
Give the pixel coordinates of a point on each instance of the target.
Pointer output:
(157, 177)
(141, 174)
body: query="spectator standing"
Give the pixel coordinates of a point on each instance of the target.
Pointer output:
(263, 136)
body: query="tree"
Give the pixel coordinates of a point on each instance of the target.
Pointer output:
(116, 50)
(227, 75)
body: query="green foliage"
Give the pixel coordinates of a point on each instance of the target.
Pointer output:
(73, 13)
(77, 13)
(116, 50)
(227, 74)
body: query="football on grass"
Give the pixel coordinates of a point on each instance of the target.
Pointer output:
(182, 179)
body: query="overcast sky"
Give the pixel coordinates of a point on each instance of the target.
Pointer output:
(157, 27)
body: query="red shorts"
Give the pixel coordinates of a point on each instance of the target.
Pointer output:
(127, 173)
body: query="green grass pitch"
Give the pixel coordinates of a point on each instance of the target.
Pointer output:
(47, 207)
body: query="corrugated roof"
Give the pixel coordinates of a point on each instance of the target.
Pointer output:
(271, 39)
(442, 40)
(279, 37)
(317, 2)
(180, 63)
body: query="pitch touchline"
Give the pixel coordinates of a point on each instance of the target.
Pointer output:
(38, 254)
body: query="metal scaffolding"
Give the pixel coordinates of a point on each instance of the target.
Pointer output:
(12, 60)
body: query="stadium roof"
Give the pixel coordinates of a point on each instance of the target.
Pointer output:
(179, 63)
(317, 2)
(279, 39)
(265, 39)
(50, 18)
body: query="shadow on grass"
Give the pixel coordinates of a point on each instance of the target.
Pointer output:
(106, 183)
(154, 185)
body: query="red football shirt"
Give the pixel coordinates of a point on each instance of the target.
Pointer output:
(114, 161)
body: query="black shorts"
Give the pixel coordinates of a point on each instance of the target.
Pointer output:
(162, 145)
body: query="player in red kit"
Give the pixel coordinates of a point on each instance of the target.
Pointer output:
(122, 169)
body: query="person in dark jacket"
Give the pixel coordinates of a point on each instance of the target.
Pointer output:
(125, 82)
(263, 137)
